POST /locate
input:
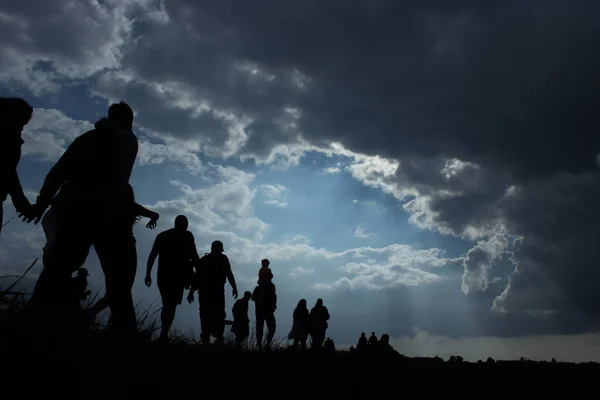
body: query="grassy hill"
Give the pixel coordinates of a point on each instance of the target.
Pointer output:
(43, 361)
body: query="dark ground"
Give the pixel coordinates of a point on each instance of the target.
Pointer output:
(92, 366)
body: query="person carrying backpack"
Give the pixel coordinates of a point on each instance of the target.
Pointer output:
(213, 270)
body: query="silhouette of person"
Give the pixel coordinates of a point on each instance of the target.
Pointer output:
(301, 324)
(15, 113)
(384, 345)
(265, 304)
(373, 339)
(78, 292)
(241, 322)
(265, 275)
(362, 342)
(176, 252)
(319, 315)
(329, 344)
(92, 174)
(213, 270)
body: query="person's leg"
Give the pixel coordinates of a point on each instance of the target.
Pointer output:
(205, 327)
(239, 339)
(319, 338)
(68, 252)
(271, 327)
(260, 325)
(219, 317)
(167, 316)
(118, 259)
(245, 333)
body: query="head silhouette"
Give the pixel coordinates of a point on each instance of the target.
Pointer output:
(181, 223)
(301, 304)
(217, 246)
(319, 303)
(15, 112)
(82, 272)
(122, 113)
(363, 334)
(247, 295)
(264, 262)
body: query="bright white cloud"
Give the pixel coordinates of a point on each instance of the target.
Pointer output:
(274, 195)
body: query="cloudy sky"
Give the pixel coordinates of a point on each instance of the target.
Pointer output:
(429, 171)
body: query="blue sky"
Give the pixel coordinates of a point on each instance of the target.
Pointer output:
(418, 188)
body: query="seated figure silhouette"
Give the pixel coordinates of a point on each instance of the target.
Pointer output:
(265, 275)
(362, 342)
(301, 325)
(265, 304)
(319, 315)
(15, 113)
(384, 345)
(92, 174)
(176, 252)
(213, 270)
(241, 323)
(373, 339)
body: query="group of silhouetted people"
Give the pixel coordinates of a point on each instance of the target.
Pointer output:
(313, 324)
(373, 344)
(92, 178)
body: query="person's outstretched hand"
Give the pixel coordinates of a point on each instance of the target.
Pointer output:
(190, 298)
(148, 280)
(151, 224)
(235, 294)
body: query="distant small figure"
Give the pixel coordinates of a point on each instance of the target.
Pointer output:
(319, 315)
(329, 345)
(15, 113)
(176, 252)
(301, 325)
(373, 339)
(384, 345)
(265, 275)
(241, 322)
(362, 342)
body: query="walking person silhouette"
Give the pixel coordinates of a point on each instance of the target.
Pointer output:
(176, 252)
(92, 174)
(213, 270)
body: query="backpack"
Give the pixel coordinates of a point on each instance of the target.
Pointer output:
(209, 272)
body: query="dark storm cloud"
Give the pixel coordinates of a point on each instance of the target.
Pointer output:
(512, 88)
(511, 85)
